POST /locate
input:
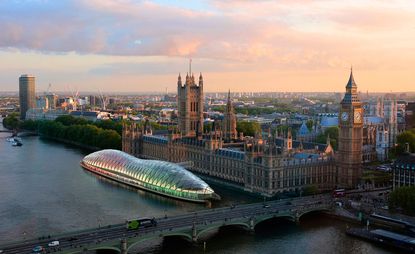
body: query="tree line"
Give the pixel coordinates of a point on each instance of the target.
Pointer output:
(403, 198)
(104, 134)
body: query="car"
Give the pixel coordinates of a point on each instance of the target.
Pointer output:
(53, 244)
(37, 249)
(266, 206)
(1, 251)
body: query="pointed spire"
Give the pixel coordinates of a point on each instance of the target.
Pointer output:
(351, 83)
(328, 139)
(351, 95)
(179, 80)
(200, 80)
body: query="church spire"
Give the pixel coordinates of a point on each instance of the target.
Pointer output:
(351, 83)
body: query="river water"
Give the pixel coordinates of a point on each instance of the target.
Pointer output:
(44, 191)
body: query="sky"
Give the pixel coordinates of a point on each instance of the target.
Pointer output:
(241, 45)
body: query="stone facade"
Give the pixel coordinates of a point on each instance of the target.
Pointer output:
(266, 166)
(254, 165)
(229, 121)
(349, 156)
(190, 100)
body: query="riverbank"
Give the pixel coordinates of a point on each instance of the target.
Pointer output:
(70, 142)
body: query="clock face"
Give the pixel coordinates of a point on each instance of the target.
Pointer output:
(357, 116)
(345, 116)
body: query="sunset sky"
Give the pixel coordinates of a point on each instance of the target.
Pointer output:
(139, 46)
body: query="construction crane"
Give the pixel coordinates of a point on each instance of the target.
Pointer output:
(48, 89)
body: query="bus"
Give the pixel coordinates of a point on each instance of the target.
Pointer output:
(339, 193)
(141, 223)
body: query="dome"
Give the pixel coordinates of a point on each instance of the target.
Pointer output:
(162, 177)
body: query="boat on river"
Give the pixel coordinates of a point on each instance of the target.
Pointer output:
(384, 237)
(161, 177)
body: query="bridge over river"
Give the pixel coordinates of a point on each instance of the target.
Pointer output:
(190, 226)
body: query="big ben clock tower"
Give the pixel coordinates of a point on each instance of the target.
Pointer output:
(349, 156)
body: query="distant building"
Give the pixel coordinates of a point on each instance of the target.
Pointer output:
(43, 114)
(42, 102)
(52, 100)
(410, 115)
(88, 115)
(27, 96)
(404, 170)
(380, 127)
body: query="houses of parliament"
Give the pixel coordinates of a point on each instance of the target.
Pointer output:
(267, 164)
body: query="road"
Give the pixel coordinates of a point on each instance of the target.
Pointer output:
(165, 224)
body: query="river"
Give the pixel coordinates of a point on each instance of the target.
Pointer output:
(44, 191)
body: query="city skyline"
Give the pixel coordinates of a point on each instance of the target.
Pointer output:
(141, 46)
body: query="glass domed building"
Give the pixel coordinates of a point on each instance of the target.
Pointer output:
(161, 177)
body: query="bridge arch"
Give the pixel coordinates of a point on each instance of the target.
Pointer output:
(309, 211)
(106, 248)
(134, 242)
(264, 219)
(95, 248)
(218, 226)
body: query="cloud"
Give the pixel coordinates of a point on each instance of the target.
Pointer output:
(237, 36)
(250, 33)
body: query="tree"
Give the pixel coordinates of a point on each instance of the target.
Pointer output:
(406, 137)
(404, 198)
(12, 122)
(310, 124)
(333, 132)
(310, 190)
(248, 128)
(85, 134)
(207, 126)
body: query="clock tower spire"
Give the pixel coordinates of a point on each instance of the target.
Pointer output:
(349, 156)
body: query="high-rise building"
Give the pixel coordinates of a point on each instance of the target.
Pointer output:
(190, 106)
(26, 94)
(350, 137)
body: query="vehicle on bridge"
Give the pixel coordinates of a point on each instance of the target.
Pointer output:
(38, 249)
(141, 223)
(161, 177)
(53, 244)
(339, 193)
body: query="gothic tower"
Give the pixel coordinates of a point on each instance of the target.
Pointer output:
(349, 157)
(229, 121)
(190, 106)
